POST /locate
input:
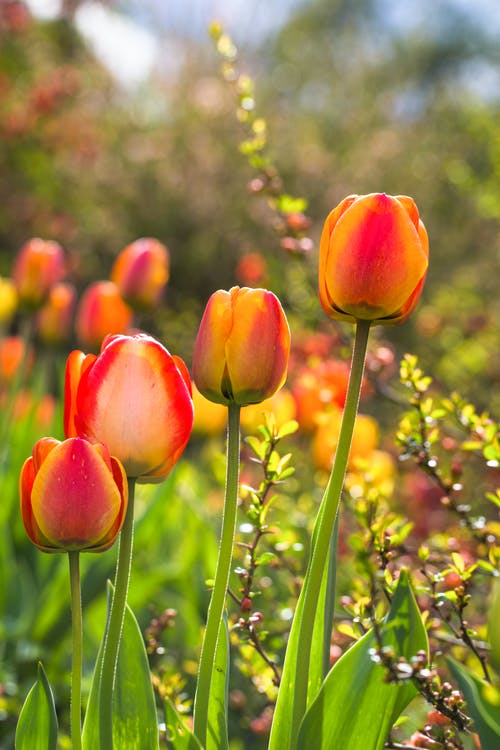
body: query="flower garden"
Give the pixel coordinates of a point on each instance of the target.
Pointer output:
(261, 516)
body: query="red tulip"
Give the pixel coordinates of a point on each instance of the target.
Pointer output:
(242, 347)
(39, 265)
(73, 496)
(373, 259)
(134, 397)
(101, 312)
(141, 272)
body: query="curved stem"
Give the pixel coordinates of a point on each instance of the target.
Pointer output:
(216, 606)
(324, 526)
(115, 624)
(76, 667)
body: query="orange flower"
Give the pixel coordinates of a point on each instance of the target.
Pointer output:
(373, 259)
(141, 272)
(364, 440)
(55, 318)
(39, 265)
(101, 312)
(14, 354)
(318, 388)
(242, 347)
(73, 496)
(134, 397)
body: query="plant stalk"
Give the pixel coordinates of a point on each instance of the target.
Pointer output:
(76, 666)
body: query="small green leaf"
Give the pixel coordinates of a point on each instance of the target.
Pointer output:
(217, 737)
(179, 736)
(485, 710)
(37, 725)
(135, 723)
(355, 709)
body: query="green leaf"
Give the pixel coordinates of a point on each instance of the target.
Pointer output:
(37, 725)
(179, 736)
(135, 723)
(355, 709)
(217, 737)
(482, 703)
(493, 627)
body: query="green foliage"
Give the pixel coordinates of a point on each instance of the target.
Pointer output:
(355, 708)
(37, 725)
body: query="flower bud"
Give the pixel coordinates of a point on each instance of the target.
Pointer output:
(73, 496)
(136, 398)
(39, 265)
(55, 318)
(141, 272)
(373, 259)
(101, 312)
(242, 347)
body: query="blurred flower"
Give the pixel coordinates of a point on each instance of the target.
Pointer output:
(73, 496)
(364, 440)
(42, 408)
(134, 397)
(373, 259)
(317, 388)
(141, 272)
(209, 418)
(14, 354)
(281, 404)
(251, 270)
(55, 318)
(101, 312)
(242, 347)
(376, 468)
(8, 300)
(38, 266)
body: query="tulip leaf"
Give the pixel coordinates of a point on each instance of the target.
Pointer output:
(483, 704)
(355, 708)
(37, 725)
(179, 736)
(135, 722)
(493, 629)
(217, 737)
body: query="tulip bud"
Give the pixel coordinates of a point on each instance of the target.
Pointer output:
(134, 397)
(141, 272)
(73, 496)
(101, 312)
(39, 265)
(55, 318)
(373, 259)
(242, 347)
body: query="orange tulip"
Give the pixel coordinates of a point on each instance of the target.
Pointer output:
(364, 439)
(101, 312)
(209, 418)
(373, 259)
(55, 318)
(242, 347)
(134, 397)
(73, 496)
(39, 265)
(318, 388)
(15, 355)
(141, 272)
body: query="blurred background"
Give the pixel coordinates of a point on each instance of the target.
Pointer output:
(116, 123)
(122, 120)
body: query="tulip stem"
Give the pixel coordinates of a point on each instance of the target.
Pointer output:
(217, 600)
(115, 624)
(307, 605)
(76, 667)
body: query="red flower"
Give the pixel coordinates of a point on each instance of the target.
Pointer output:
(73, 496)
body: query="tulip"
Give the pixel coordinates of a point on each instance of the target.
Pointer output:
(318, 388)
(39, 265)
(101, 312)
(73, 496)
(55, 318)
(373, 259)
(209, 418)
(364, 440)
(16, 359)
(8, 300)
(242, 347)
(134, 397)
(141, 272)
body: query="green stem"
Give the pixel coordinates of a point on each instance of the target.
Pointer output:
(331, 585)
(115, 624)
(217, 600)
(76, 667)
(324, 526)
